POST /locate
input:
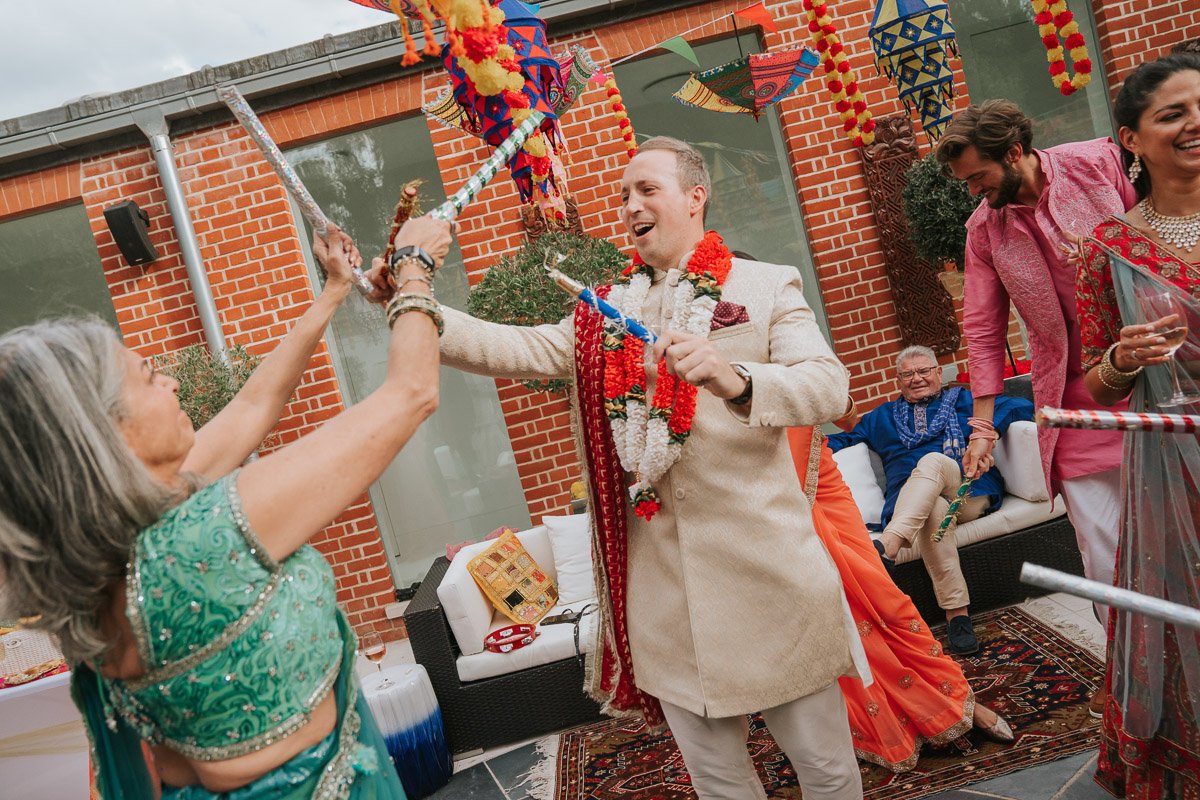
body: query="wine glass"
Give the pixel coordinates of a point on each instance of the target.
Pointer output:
(1158, 302)
(374, 648)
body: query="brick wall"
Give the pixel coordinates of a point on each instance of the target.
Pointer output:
(249, 241)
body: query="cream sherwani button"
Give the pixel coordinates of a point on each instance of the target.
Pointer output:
(680, 494)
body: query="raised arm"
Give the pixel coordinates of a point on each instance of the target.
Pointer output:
(297, 491)
(234, 433)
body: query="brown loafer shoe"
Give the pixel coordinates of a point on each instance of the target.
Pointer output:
(1096, 703)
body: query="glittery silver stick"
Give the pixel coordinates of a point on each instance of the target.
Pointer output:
(230, 96)
(474, 185)
(1125, 600)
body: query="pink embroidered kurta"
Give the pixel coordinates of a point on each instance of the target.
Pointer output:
(1013, 254)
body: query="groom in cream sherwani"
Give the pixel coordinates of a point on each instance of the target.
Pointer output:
(725, 602)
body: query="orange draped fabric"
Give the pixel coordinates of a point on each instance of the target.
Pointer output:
(919, 695)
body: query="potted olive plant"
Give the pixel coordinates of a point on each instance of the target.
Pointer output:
(937, 206)
(516, 290)
(207, 383)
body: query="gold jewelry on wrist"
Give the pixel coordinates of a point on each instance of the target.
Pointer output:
(402, 303)
(1113, 377)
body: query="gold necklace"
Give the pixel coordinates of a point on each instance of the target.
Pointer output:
(1180, 232)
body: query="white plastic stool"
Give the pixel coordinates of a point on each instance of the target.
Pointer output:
(406, 711)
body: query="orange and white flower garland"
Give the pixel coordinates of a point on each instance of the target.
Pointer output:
(840, 78)
(1056, 22)
(649, 439)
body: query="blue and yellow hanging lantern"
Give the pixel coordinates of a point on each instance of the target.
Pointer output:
(912, 40)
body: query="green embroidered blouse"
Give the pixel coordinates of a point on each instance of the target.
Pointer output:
(238, 648)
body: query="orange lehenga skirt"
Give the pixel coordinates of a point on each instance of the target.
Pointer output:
(919, 694)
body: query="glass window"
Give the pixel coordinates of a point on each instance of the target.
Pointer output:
(456, 479)
(1003, 57)
(754, 205)
(51, 268)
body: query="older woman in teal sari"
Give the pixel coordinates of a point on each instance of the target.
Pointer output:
(179, 584)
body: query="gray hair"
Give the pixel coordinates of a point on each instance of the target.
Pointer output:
(73, 497)
(916, 351)
(690, 168)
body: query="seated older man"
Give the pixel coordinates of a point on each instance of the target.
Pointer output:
(921, 437)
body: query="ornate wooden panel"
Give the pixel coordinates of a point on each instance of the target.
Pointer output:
(924, 309)
(536, 223)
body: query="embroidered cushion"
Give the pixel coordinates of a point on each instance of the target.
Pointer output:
(513, 581)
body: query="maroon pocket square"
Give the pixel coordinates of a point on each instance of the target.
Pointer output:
(727, 314)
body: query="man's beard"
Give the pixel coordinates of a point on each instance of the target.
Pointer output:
(1010, 185)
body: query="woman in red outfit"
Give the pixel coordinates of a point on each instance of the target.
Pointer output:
(919, 694)
(1151, 744)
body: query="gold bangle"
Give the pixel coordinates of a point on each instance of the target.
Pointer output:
(1111, 376)
(402, 303)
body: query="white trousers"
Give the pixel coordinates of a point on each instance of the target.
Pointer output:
(814, 733)
(1094, 508)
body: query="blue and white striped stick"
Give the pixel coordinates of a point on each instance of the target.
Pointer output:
(586, 295)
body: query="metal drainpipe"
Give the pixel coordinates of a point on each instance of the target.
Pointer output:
(153, 124)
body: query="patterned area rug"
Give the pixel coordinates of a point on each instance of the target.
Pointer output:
(1027, 671)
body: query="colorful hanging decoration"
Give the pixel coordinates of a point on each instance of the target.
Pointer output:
(1055, 22)
(501, 71)
(749, 85)
(913, 40)
(623, 123)
(575, 69)
(840, 79)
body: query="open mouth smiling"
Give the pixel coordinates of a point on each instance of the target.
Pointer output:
(642, 228)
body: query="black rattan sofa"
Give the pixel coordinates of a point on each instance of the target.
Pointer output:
(493, 711)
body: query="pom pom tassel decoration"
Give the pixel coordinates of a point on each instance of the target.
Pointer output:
(1055, 22)
(840, 78)
(623, 123)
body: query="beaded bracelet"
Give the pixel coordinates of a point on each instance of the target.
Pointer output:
(400, 260)
(422, 279)
(1116, 379)
(402, 303)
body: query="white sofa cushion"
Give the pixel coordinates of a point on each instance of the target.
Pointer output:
(571, 540)
(1013, 514)
(1020, 462)
(857, 471)
(467, 610)
(554, 643)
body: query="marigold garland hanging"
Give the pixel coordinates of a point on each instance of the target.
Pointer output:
(1056, 22)
(840, 78)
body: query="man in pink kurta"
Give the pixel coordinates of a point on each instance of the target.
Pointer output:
(1035, 205)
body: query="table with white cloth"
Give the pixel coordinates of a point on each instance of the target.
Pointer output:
(407, 713)
(43, 747)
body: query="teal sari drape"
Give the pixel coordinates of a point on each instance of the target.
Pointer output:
(355, 748)
(1159, 547)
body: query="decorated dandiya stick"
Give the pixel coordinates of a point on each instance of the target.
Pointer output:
(408, 206)
(586, 295)
(952, 511)
(474, 185)
(231, 97)
(1117, 420)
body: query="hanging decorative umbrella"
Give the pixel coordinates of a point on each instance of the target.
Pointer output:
(574, 69)
(750, 84)
(912, 39)
(501, 71)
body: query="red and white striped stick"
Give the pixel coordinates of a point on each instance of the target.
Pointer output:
(1117, 420)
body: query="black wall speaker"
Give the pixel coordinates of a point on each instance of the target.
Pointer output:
(128, 224)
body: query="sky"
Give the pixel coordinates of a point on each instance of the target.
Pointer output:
(60, 50)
